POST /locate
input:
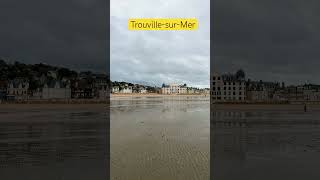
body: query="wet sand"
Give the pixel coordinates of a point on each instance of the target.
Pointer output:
(265, 107)
(265, 142)
(50, 141)
(160, 139)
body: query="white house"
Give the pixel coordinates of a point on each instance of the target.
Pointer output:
(126, 89)
(56, 90)
(142, 90)
(18, 89)
(115, 89)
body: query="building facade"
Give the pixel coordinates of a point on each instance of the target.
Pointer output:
(126, 89)
(56, 90)
(174, 89)
(18, 89)
(115, 89)
(227, 88)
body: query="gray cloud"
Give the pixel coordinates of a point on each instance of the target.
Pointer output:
(269, 39)
(157, 57)
(68, 33)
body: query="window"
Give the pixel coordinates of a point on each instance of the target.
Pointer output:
(225, 88)
(234, 88)
(218, 88)
(239, 93)
(229, 88)
(219, 78)
(213, 88)
(239, 98)
(225, 83)
(234, 93)
(214, 78)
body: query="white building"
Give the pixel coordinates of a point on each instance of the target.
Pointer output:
(227, 88)
(115, 89)
(56, 90)
(18, 89)
(142, 91)
(126, 89)
(311, 93)
(174, 89)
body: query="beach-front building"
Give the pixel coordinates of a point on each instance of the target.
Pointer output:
(257, 95)
(258, 91)
(311, 92)
(139, 89)
(192, 90)
(142, 90)
(227, 88)
(18, 89)
(115, 89)
(56, 90)
(174, 89)
(126, 89)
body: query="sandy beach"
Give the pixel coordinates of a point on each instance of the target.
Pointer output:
(159, 138)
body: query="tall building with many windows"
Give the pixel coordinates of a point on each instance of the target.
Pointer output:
(227, 88)
(174, 89)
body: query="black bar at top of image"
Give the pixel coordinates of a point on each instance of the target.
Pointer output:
(40, 141)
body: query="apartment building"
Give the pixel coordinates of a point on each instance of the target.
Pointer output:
(174, 89)
(227, 88)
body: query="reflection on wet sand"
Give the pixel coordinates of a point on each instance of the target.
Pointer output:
(53, 142)
(265, 144)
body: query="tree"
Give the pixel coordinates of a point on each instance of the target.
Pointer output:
(240, 74)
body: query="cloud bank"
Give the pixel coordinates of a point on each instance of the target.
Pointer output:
(156, 57)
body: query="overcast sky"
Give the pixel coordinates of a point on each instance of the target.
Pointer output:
(270, 39)
(70, 33)
(156, 57)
